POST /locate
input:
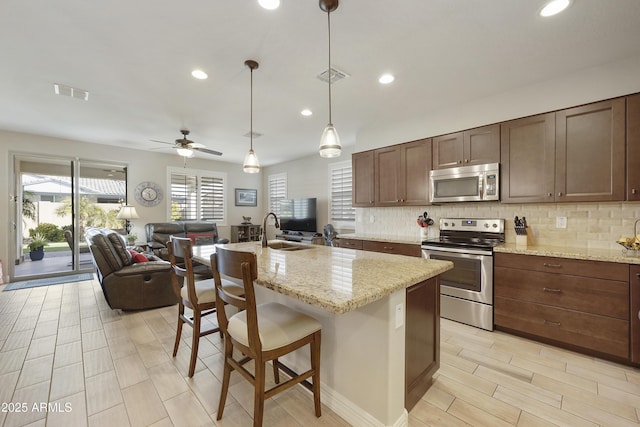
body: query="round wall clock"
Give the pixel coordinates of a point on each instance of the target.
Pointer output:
(148, 194)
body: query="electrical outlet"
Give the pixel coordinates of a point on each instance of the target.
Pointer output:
(372, 218)
(399, 315)
(561, 222)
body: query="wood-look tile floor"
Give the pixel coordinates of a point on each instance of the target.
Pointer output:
(101, 367)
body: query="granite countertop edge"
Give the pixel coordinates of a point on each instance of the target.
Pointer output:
(589, 254)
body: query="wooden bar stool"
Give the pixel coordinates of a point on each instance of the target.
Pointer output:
(198, 295)
(262, 333)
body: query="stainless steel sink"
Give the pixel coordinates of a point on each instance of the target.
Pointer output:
(284, 246)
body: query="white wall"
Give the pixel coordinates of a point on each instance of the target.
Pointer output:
(306, 177)
(142, 166)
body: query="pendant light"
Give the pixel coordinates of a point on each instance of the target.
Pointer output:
(329, 141)
(251, 164)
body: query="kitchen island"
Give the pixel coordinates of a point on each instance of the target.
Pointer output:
(379, 315)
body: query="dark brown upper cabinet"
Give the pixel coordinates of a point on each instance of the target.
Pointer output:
(633, 148)
(401, 174)
(471, 147)
(363, 175)
(577, 154)
(527, 171)
(590, 152)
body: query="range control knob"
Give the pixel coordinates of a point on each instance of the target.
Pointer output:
(446, 224)
(495, 225)
(486, 225)
(453, 224)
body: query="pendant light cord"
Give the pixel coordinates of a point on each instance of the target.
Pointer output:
(329, 26)
(251, 113)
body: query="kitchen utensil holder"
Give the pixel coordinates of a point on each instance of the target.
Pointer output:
(522, 240)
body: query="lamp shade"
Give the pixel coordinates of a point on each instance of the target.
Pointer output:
(251, 164)
(330, 142)
(127, 212)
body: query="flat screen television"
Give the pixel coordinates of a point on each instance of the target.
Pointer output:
(298, 215)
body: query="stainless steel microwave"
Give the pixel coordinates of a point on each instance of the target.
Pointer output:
(465, 184)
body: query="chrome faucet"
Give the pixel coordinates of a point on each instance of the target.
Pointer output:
(264, 228)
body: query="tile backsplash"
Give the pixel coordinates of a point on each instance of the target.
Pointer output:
(590, 225)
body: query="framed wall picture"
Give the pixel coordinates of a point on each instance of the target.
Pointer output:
(246, 197)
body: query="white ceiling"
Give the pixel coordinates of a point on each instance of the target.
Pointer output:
(135, 59)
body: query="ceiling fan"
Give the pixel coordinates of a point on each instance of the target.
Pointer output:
(185, 146)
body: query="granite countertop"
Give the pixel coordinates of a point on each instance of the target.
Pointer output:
(382, 238)
(337, 280)
(609, 255)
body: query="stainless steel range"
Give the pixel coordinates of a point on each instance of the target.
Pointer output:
(466, 291)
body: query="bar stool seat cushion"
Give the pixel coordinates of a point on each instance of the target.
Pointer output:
(206, 290)
(278, 326)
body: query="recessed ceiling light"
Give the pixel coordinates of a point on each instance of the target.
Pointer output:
(199, 74)
(306, 112)
(554, 7)
(385, 79)
(269, 4)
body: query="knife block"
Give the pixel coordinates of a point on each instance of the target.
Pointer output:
(522, 240)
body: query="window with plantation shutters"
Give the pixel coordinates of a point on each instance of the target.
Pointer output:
(197, 195)
(277, 191)
(341, 212)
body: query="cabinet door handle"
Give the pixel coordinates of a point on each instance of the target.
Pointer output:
(387, 248)
(549, 322)
(559, 193)
(552, 265)
(466, 160)
(459, 162)
(637, 275)
(552, 291)
(549, 194)
(634, 191)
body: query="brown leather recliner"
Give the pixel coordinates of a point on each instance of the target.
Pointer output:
(127, 285)
(200, 232)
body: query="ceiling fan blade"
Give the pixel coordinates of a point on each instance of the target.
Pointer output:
(206, 150)
(162, 142)
(197, 145)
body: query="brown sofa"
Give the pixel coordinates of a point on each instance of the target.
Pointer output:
(127, 285)
(201, 233)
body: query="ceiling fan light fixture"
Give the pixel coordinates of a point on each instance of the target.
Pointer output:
(329, 141)
(184, 151)
(251, 163)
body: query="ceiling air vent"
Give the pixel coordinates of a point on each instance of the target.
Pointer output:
(335, 74)
(73, 92)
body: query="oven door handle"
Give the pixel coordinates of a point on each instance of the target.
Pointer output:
(462, 253)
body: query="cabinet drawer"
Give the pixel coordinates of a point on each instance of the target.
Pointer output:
(576, 267)
(589, 331)
(392, 248)
(596, 296)
(349, 243)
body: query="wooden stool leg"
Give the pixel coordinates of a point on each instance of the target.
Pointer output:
(179, 329)
(315, 364)
(258, 392)
(226, 376)
(195, 341)
(276, 371)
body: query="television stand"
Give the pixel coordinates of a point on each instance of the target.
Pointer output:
(301, 236)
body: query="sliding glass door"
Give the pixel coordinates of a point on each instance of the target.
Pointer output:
(55, 200)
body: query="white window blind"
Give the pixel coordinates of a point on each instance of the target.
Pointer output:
(197, 195)
(277, 191)
(341, 211)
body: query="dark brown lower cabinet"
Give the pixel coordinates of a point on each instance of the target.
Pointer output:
(565, 302)
(422, 339)
(634, 281)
